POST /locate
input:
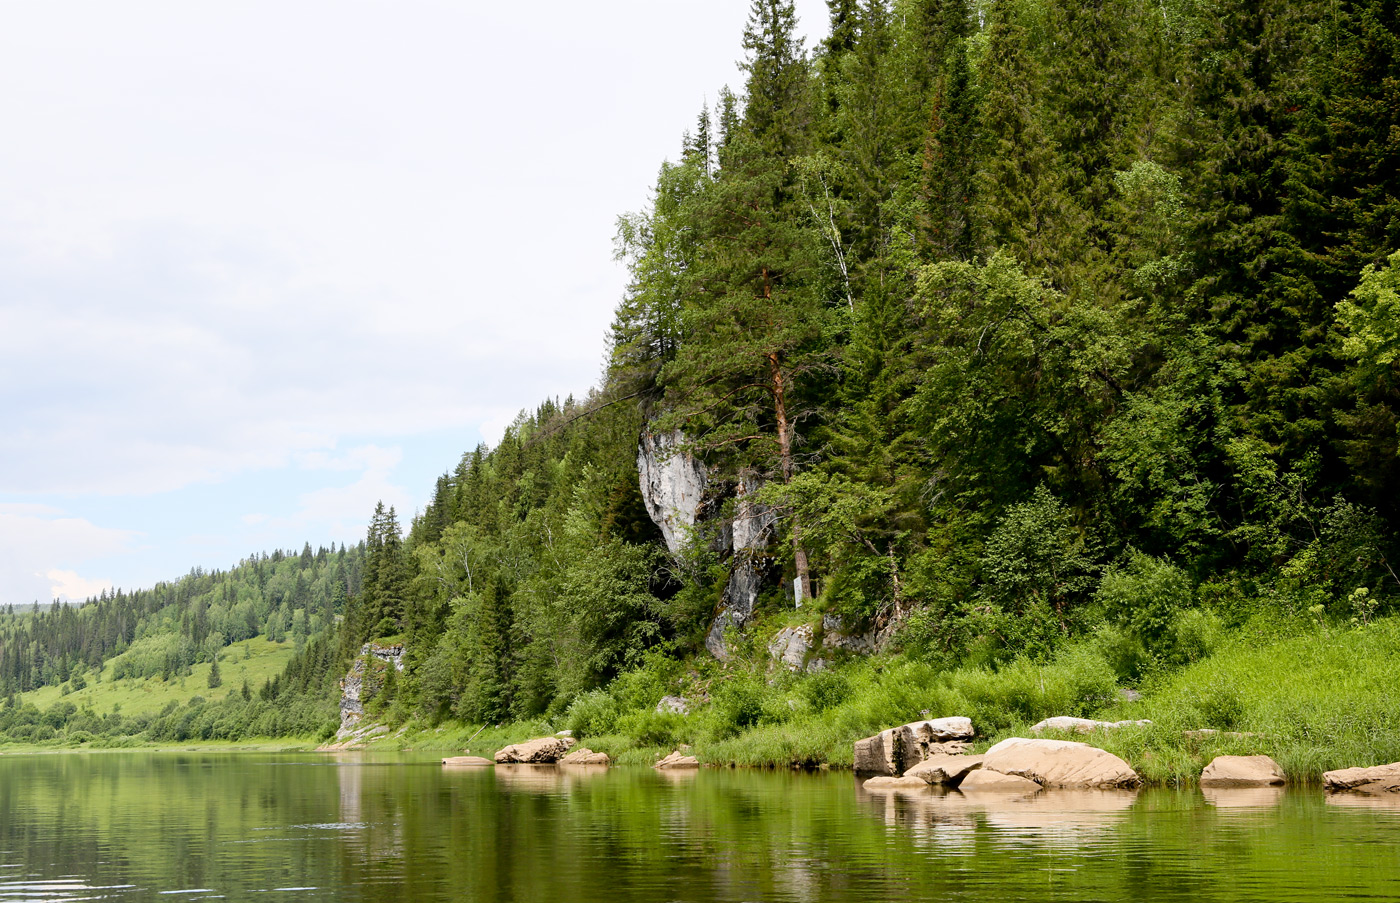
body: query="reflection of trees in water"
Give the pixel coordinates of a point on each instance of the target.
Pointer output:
(397, 831)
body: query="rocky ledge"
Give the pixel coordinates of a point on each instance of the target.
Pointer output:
(1380, 779)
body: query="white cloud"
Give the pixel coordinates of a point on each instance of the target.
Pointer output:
(236, 239)
(55, 544)
(73, 588)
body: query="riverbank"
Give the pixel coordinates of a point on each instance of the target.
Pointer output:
(1313, 698)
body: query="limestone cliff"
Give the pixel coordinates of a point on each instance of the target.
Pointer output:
(673, 486)
(363, 680)
(679, 495)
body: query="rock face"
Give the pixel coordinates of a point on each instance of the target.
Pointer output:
(792, 646)
(544, 751)
(586, 756)
(1059, 763)
(1380, 779)
(467, 762)
(894, 751)
(673, 486)
(354, 688)
(676, 705)
(1241, 771)
(944, 770)
(1083, 725)
(676, 761)
(749, 535)
(982, 781)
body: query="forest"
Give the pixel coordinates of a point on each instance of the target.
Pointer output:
(1038, 327)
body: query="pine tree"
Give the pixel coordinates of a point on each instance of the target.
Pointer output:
(216, 679)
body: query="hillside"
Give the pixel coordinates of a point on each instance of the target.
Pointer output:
(992, 338)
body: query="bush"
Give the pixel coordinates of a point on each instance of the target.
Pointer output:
(826, 690)
(593, 714)
(1145, 596)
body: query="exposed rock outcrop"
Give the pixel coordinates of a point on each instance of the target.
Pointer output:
(361, 683)
(749, 536)
(1241, 771)
(1083, 725)
(467, 762)
(677, 493)
(792, 647)
(894, 751)
(1380, 779)
(1059, 763)
(543, 751)
(675, 705)
(673, 486)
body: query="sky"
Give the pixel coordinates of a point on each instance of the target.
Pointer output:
(265, 264)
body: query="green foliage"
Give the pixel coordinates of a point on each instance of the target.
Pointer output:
(1145, 595)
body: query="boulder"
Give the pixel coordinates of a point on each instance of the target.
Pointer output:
(791, 646)
(1082, 725)
(981, 781)
(1380, 779)
(894, 751)
(676, 761)
(586, 756)
(884, 782)
(467, 762)
(1059, 763)
(676, 705)
(543, 751)
(944, 770)
(1241, 771)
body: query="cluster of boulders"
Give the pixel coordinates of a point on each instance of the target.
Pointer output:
(933, 753)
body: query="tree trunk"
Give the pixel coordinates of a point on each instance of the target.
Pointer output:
(799, 554)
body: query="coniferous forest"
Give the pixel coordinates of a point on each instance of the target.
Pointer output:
(1050, 334)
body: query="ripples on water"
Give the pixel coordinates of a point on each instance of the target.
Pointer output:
(199, 827)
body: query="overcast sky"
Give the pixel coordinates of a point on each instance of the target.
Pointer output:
(263, 264)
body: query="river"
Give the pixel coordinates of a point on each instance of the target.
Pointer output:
(253, 826)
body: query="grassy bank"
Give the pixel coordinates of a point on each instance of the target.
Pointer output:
(1313, 697)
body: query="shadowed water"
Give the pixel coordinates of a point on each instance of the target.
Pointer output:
(176, 826)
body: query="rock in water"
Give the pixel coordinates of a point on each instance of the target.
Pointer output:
(586, 756)
(945, 770)
(467, 762)
(1380, 779)
(894, 751)
(884, 782)
(1059, 763)
(982, 781)
(1241, 771)
(544, 751)
(677, 761)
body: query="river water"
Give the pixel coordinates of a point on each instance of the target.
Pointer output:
(248, 826)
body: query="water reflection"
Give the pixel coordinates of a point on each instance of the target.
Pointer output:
(1050, 816)
(1243, 797)
(394, 829)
